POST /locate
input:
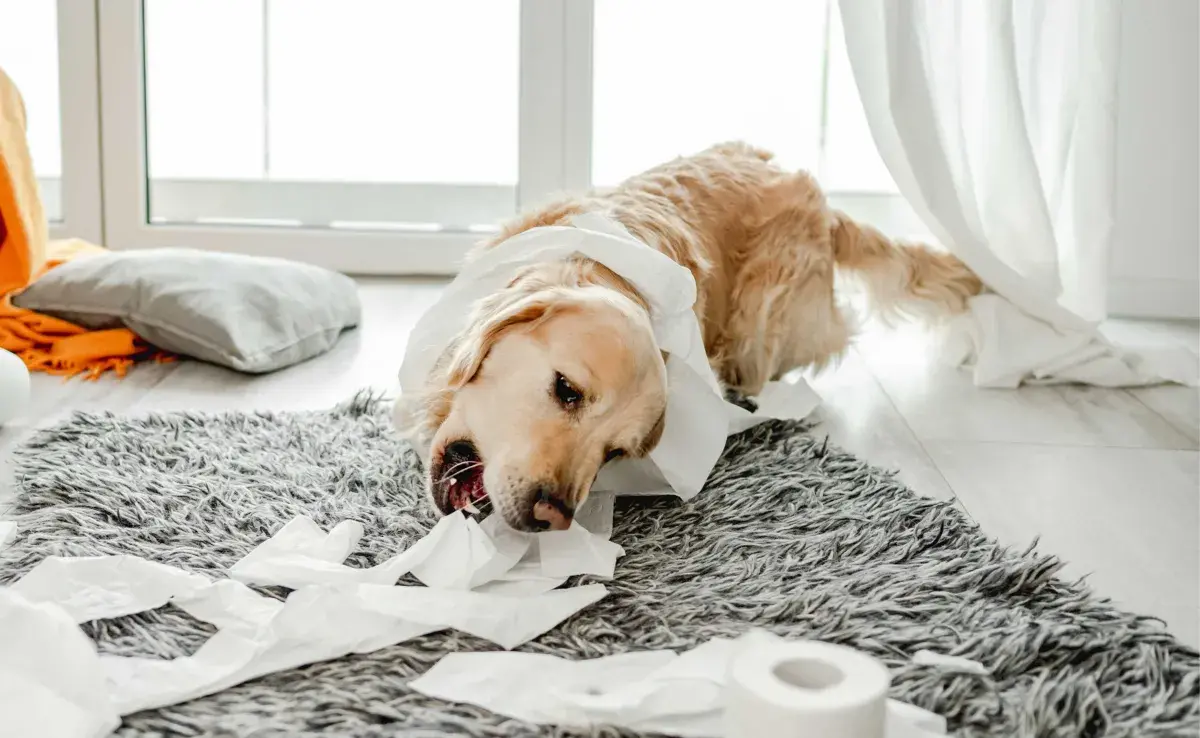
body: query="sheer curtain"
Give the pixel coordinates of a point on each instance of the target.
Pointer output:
(996, 118)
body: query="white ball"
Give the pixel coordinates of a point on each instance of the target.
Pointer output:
(14, 386)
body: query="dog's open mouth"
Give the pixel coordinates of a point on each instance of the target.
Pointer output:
(459, 479)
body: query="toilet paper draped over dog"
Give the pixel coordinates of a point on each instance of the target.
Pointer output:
(698, 418)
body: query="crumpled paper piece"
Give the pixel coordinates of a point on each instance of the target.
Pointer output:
(51, 682)
(99, 587)
(300, 554)
(1006, 346)
(229, 604)
(698, 418)
(335, 610)
(954, 663)
(8, 532)
(458, 553)
(651, 691)
(550, 558)
(319, 623)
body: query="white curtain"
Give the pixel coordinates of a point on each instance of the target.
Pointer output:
(996, 118)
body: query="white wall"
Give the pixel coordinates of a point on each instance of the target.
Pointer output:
(1155, 269)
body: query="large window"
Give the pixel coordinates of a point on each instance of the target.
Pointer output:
(311, 105)
(385, 136)
(29, 55)
(49, 51)
(674, 76)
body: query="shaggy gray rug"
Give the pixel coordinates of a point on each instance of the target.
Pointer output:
(790, 534)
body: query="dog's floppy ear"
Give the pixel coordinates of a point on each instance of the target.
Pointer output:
(493, 317)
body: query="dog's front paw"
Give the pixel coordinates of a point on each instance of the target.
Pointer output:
(737, 398)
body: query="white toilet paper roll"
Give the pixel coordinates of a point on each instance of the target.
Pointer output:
(804, 689)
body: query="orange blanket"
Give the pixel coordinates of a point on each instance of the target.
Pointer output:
(44, 343)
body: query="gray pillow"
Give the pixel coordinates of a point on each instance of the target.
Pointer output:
(249, 313)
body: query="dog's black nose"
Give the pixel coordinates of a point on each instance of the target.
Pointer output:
(548, 510)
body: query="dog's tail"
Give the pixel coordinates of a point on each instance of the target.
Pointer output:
(902, 279)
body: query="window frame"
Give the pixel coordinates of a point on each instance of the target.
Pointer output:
(76, 194)
(106, 191)
(547, 58)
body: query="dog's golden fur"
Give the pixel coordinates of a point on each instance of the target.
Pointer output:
(763, 246)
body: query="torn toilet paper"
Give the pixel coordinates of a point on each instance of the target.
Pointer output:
(300, 554)
(99, 587)
(8, 531)
(483, 579)
(458, 553)
(698, 418)
(652, 691)
(318, 623)
(1024, 337)
(51, 682)
(954, 663)
(229, 604)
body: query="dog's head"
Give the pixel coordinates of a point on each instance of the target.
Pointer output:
(551, 379)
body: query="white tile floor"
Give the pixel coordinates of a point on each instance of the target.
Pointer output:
(1108, 479)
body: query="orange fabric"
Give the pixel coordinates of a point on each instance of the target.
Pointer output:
(22, 224)
(43, 342)
(56, 346)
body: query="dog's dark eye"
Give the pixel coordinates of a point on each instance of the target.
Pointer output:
(613, 453)
(567, 395)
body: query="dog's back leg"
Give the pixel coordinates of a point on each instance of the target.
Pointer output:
(783, 313)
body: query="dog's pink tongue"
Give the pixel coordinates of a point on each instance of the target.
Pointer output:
(470, 487)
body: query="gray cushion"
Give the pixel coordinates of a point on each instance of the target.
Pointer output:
(249, 313)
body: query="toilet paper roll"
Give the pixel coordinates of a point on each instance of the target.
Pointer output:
(14, 386)
(804, 689)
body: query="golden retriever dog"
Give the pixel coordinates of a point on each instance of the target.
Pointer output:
(559, 373)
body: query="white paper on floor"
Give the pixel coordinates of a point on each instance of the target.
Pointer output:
(99, 587)
(319, 623)
(226, 603)
(596, 513)
(954, 663)
(1006, 346)
(51, 682)
(698, 418)
(458, 553)
(483, 579)
(8, 531)
(652, 691)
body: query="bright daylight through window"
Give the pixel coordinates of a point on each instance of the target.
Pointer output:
(29, 54)
(383, 136)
